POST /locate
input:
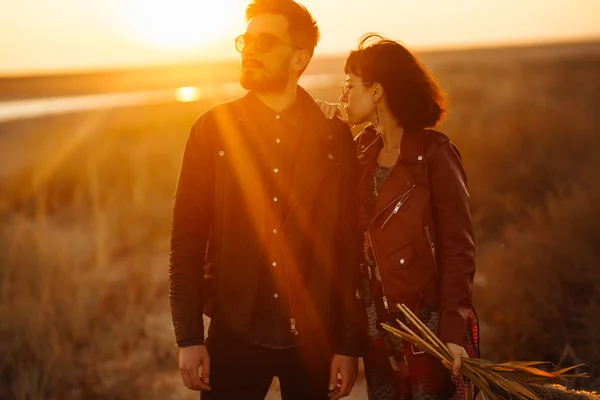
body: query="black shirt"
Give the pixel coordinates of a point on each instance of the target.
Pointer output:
(278, 138)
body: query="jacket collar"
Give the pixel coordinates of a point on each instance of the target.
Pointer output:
(400, 180)
(411, 148)
(304, 112)
(263, 114)
(317, 151)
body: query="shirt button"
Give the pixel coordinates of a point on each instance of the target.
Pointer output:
(276, 170)
(420, 158)
(277, 141)
(221, 153)
(277, 117)
(275, 199)
(274, 264)
(402, 261)
(276, 295)
(331, 156)
(275, 231)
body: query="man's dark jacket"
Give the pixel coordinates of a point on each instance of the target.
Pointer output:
(218, 228)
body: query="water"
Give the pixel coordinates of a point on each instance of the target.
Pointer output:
(39, 107)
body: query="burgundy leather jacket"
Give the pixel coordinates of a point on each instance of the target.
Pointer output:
(421, 230)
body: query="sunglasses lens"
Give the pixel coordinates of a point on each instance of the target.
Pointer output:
(263, 43)
(239, 43)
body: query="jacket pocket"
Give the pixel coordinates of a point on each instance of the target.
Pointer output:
(402, 257)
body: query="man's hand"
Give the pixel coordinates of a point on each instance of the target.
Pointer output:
(458, 353)
(190, 360)
(347, 368)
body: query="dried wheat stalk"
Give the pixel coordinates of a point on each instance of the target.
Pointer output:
(515, 379)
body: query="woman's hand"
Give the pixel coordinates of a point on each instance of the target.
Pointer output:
(330, 110)
(458, 352)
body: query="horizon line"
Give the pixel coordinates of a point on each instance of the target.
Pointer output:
(420, 50)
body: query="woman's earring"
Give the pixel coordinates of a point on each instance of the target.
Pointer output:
(378, 127)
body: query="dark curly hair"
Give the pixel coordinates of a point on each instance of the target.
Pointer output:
(413, 94)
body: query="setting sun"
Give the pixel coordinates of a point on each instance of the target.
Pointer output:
(179, 24)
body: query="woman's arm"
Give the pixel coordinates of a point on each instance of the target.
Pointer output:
(455, 240)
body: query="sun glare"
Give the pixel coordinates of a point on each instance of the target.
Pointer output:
(187, 94)
(179, 24)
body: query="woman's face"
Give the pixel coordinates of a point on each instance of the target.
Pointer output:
(357, 97)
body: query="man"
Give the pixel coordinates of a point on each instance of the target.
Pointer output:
(264, 236)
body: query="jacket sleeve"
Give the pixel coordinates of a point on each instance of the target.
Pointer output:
(192, 216)
(455, 241)
(351, 321)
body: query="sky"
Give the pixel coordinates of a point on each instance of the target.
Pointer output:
(58, 35)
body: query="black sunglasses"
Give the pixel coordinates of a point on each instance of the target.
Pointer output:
(262, 42)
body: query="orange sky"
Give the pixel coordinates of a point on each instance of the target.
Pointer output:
(49, 35)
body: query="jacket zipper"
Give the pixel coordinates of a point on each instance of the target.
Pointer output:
(432, 246)
(293, 327)
(385, 301)
(401, 202)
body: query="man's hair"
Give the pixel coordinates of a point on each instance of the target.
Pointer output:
(302, 28)
(413, 95)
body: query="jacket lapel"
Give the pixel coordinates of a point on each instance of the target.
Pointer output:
(237, 133)
(399, 180)
(316, 153)
(315, 158)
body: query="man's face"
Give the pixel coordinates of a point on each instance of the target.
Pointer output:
(269, 58)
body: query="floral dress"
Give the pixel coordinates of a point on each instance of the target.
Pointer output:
(394, 369)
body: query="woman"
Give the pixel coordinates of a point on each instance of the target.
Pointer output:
(414, 211)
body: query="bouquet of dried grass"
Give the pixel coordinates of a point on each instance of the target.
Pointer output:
(516, 379)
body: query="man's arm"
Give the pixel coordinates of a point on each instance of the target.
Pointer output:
(192, 217)
(352, 323)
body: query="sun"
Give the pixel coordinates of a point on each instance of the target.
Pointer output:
(179, 24)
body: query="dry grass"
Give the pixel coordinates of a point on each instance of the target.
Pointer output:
(85, 225)
(83, 255)
(75, 320)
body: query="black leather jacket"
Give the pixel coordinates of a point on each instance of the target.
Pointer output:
(214, 246)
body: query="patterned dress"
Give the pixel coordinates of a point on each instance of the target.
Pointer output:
(394, 369)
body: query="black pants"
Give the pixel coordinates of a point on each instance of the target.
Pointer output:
(240, 369)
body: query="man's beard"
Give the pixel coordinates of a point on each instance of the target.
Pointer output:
(266, 84)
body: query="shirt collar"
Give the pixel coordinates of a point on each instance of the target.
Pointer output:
(263, 114)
